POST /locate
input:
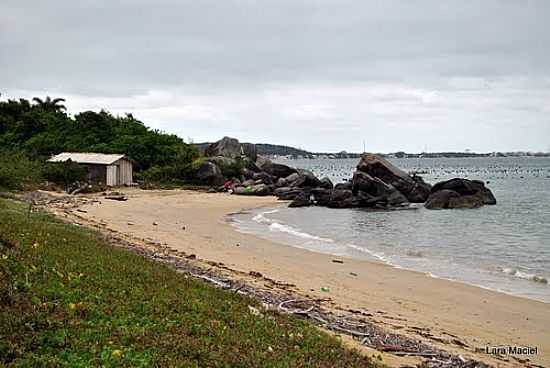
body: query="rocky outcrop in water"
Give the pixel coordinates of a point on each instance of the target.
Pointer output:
(459, 193)
(376, 183)
(412, 187)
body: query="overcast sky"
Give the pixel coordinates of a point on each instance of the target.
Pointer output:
(321, 75)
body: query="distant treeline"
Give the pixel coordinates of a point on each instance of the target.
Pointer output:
(32, 131)
(269, 150)
(292, 152)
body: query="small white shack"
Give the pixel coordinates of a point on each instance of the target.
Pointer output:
(114, 170)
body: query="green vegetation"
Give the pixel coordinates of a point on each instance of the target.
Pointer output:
(31, 132)
(69, 299)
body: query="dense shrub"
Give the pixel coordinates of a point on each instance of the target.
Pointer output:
(17, 171)
(64, 173)
(41, 128)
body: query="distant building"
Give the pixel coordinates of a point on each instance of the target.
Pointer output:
(114, 170)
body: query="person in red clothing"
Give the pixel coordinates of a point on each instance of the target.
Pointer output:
(229, 186)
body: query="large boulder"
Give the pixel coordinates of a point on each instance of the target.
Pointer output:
(446, 199)
(247, 173)
(321, 196)
(281, 182)
(292, 178)
(375, 187)
(274, 169)
(306, 179)
(302, 199)
(250, 150)
(263, 176)
(279, 170)
(378, 167)
(262, 161)
(420, 192)
(326, 183)
(225, 147)
(286, 193)
(466, 187)
(261, 190)
(346, 185)
(231, 148)
(363, 182)
(343, 198)
(210, 174)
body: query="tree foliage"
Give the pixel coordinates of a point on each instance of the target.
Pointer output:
(41, 128)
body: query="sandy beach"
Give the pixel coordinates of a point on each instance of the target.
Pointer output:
(444, 313)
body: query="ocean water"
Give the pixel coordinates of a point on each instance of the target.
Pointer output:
(504, 247)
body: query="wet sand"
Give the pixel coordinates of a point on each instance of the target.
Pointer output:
(442, 312)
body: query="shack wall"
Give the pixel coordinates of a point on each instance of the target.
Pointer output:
(125, 172)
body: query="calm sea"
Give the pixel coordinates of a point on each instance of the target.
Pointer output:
(504, 247)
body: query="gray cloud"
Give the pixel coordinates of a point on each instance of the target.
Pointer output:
(319, 74)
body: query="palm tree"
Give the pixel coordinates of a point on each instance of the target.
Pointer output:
(50, 104)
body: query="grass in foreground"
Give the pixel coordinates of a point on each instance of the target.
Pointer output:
(67, 298)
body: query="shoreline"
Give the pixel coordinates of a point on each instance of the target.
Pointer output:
(409, 302)
(372, 256)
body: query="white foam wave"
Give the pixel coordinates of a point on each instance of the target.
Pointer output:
(260, 218)
(524, 275)
(376, 255)
(275, 226)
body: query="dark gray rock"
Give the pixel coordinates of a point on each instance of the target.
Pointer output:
(263, 176)
(378, 167)
(210, 174)
(347, 185)
(306, 179)
(321, 196)
(262, 162)
(446, 198)
(261, 190)
(286, 193)
(363, 182)
(281, 182)
(226, 147)
(292, 178)
(326, 183)
(280, 170)
(467, 187)
(231, 148)
(420, 191)
(302, 199)
(250, 150)
(247, 173)
(341, 198)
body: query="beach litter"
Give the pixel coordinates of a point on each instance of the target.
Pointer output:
(325, 289)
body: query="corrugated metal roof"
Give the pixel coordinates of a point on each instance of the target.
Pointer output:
(87, 158)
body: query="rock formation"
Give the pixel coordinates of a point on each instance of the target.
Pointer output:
(376, 183)
(459, 193)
